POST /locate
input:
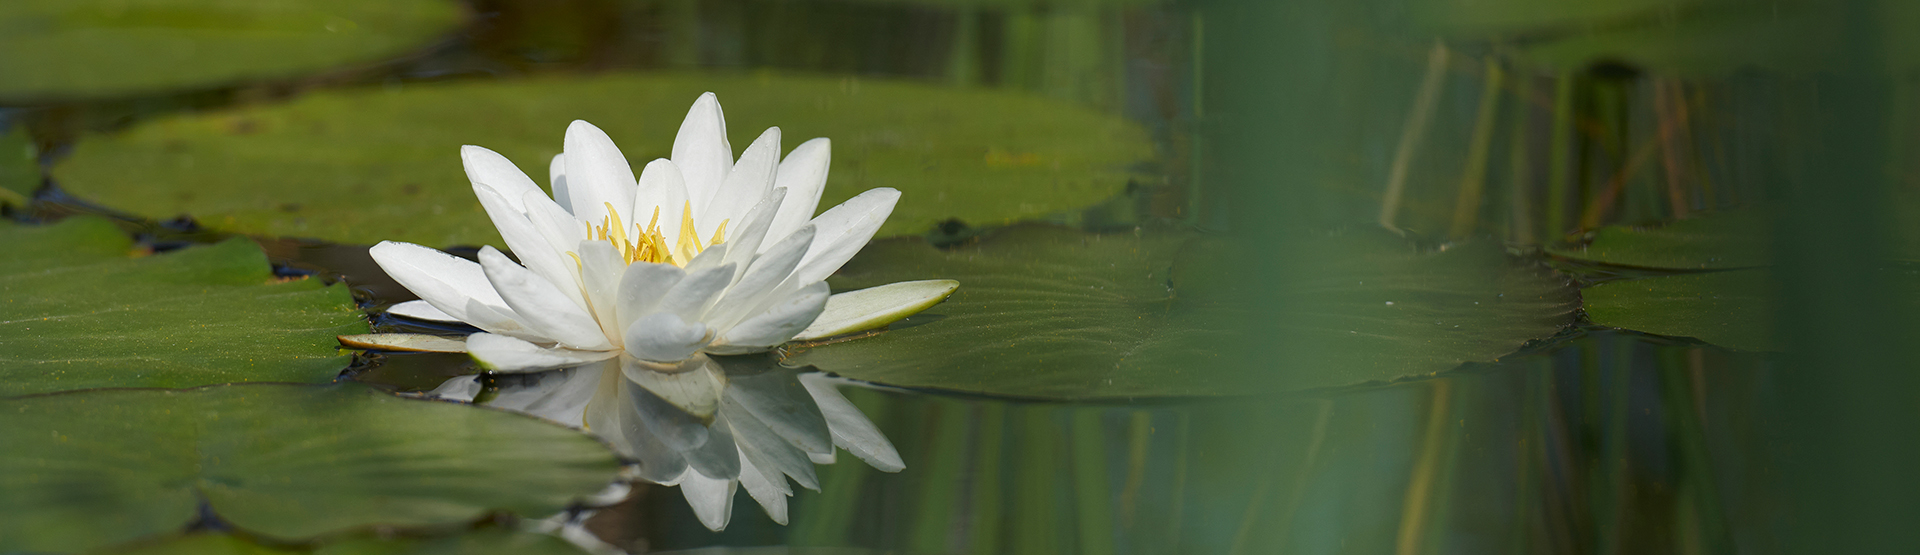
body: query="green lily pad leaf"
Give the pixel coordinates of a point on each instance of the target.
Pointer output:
(1483, 17)
(1720, 241)
(95, 468)
(367, 165)
(102, 48)
(1731, 309)
(80, 312)
(490, 541)
(197, 544)
(1711, 40)
(1053, 313)
(19, 167)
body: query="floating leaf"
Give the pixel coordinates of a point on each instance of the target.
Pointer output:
(96, 468)
(1730, 309)
(80, 312)
(486, 541)
(100, 48)
(1490, 17)
(19, 167)
(1714, 242)
(1055, 313)
(414, 342)
(368, 165)
(1713, 39)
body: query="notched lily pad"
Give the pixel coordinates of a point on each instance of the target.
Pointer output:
(80, 311)
(1731, 309)
(1726, 240)
(1054, 313)
(90, 469)
(99, 48)
(361, 166)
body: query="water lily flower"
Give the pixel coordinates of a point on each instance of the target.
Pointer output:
(772, 424)
(702, 254)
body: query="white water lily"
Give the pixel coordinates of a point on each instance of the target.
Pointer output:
(702, 254)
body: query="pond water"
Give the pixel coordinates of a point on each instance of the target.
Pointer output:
(1285, 276)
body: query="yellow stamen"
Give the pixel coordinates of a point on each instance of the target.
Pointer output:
(649, 244)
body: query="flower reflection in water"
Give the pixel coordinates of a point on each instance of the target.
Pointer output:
(766, 424)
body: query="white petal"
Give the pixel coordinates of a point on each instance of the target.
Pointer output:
(420, 310)
(557, 175)
(540, 305)
(711, 499)
(764, 447)
(500, 353)
(561, 230)
(775, 326)
(693, 295)
(500, 320)
(442, 280)
(597, 174)
(486, 168)
(745, 237)
(600, 269)
(873, 307)
(412, 342)
(642, 288)
(775, 397)
(751, 294)
(701, 150)
(713, 257)
(821, 458)
(771, 493)
(694, 386)
(748, 181)
(851, 429)
(560, 395)
(844, 230)
(664, 337)
(804, 175)
(527, 243)
(661, 188)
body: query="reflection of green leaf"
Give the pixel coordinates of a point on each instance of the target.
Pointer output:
(368, 165)
(78, 312)
(1730, 309)
(96, 468)
(1047, 312)
(1718, 241)
(200, 544)
(96, 48)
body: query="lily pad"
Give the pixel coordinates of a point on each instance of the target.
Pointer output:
(19, 167)
(361, 166)
(101, 48)
(1721, 241)
(1053, 313)
(486, 541)
(79, 311)
(1483, 17)
(1731, 309)
(96, 468)
(1712, 39)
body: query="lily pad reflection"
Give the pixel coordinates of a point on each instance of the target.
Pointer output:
(710, 425)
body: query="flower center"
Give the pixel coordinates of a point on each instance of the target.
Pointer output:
(647, 244)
